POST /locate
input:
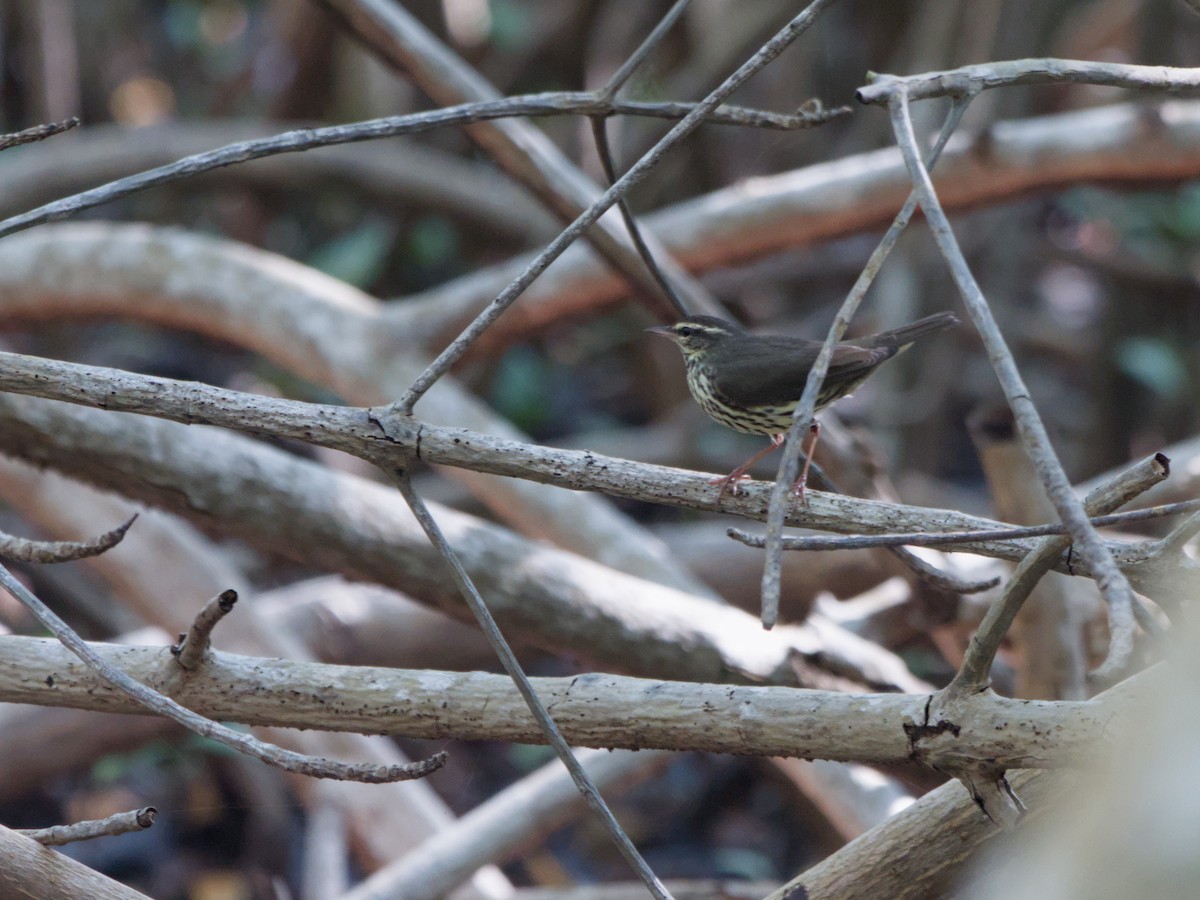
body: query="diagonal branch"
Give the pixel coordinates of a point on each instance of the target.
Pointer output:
(640, 170)
(275, 756)
(580, 103)
(1112, 582)
(44, 552)
(508, 659)
(977, 661)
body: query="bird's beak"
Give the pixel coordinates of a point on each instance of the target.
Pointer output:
(662, 330)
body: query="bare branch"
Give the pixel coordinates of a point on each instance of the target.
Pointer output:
(165, 706)
(29, 868)
(552, 251)
(23, 550)
(789, 465)
(550, 104)
(193, 647)
(1112, 582)
(110, 826)
(943, 538)
(596, 710)
(883, 89)
(373, 435)
(37, 133)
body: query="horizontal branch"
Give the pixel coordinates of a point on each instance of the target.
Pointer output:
(595, 710)
(965, 80)
(384, 440)
(945, 538)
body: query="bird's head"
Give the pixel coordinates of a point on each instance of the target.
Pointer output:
(696, 335)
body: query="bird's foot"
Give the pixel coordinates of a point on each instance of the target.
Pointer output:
(730, 482)
(800, 489)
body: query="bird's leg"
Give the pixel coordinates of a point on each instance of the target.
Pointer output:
(802, 482)
(729, 482)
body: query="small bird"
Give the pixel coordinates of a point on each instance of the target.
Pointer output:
(752, 383)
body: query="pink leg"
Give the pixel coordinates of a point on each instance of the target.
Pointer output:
(729, 482)
(802, 481)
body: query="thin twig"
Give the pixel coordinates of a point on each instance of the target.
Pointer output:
(45, 552)
(37, 133)
(604, 151)
(789, 465)
(977, 660)
(627, 68)
(244, 743)
(459, 346)
(193, 647)
(940, 538)
(972, 79)
(531, 159)
(1112, 582)
(581, 103)
(110, 826)
(509, 660)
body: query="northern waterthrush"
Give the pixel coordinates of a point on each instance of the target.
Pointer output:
(752, 383)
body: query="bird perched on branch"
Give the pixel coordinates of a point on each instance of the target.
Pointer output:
(752, 383)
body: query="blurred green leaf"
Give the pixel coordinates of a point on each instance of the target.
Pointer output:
(511, 25)
(527, 757)
(1153, 363)
(735, 862)
(519, 387)
(433, 242)
(357, 257)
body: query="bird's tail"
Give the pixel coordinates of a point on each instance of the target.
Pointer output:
(899, 338)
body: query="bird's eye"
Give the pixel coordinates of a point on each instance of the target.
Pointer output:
(685, 331)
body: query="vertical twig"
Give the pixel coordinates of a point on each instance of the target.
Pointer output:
(789, 466)
(627, 68)
(604, 150)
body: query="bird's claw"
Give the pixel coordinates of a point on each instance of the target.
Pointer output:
(729, 483)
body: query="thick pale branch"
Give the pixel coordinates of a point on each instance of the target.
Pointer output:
(594, 710)
(30, 869)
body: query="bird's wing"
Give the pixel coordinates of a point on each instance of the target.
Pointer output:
(774, 372)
